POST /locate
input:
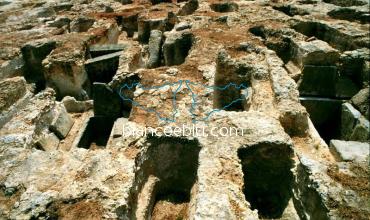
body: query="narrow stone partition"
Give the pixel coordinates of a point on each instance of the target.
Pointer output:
(96, 133)
(167, 173)
(268, 179)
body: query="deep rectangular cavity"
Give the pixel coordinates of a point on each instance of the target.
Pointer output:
(173, 162)
(96, 133)
(268, 179)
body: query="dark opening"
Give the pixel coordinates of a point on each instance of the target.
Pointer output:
(176, 50)
(232, 98)
(267, 177)
(174, 161)
(154, 2)
(189, 7)
(126, 93)
(231, 86)
(350, 14)
(346, 3)
(280, 44)
(97, 133)
(33, 56)
(102, 68)
(325, 114)
(2, 3)
(224, 7)
(129, 24)
(290, 10)
(104, 49)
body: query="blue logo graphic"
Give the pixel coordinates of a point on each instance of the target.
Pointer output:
(179, 84)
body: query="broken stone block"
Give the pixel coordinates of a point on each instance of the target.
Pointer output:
(345, 88)
(33, 54)
(82, 24)
(42, 12)
(176, 47)
(361, 101)
(354, 126)
(48, 142)
(350, 150)
(62, 123)
(102, 68)
(354, 64)
(361, 130)
(104, 49)
(64, 68)
(224, 6)
(349, 119)
(182, 26)
(60, 22)
(189, 8)
(107, 103)
(294, 120)
(12, 68)
(318, 81)
(315, 52)
(12, 90)
(74, 106)
(155, 46)
(118, 126)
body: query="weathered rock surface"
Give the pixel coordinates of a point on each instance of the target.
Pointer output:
(197, 109)
(62, 123)
(176, 47)
(12, 89)
(350, 150)
(74, 106)
(353, 125)
(155, 48)
(361, 102)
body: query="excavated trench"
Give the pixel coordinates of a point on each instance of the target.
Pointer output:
(231, 85)
(165, 178)
(268, 179)
(176, 49)
(33, 56)
(96, 133)
(332, 36)
(322, 102)
(103, 64)
(325, 114)
(282, 46)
